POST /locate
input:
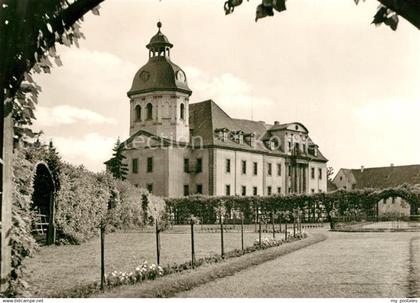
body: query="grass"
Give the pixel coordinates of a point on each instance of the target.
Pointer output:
(172, 284)
(58, 268)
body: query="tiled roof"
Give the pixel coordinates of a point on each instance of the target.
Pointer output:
(207, 116)
(383, 177)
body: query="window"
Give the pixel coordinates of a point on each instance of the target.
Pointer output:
(199, 165)
(244, 167)
(150, 188)
(312, 190)
(149, 110)
(269, 170)
(320, 173)
(341, 178)
(289, 145)
(255, 170)
(186, 190)
(227, 190)
(228, 165)
(186, 165)
(278, 169)
(255, 190)
(290, 170)
(243, 190)
(182, 111)
(199, 189)
(269, 190)
(135, 166)
(279, 190)
(312, 173)
(137, 113)
(304, 148)
(149, 164)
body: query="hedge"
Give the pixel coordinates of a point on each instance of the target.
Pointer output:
(336, 203)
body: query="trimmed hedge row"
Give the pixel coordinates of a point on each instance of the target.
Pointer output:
(208, 208)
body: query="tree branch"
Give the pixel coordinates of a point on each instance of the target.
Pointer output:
(408, 9)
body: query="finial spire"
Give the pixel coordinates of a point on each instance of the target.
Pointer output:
(159, 25)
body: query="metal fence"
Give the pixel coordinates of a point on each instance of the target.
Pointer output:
(381, 223)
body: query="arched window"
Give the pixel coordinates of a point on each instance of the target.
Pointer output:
(149, 109)
(182, 111)
(137, 113)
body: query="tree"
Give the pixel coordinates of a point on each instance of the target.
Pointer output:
(330, 173)
(387, 13)
(116, 164)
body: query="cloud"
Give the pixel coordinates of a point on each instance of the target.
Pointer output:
(91, 150)
(66, 114)
(230, 92)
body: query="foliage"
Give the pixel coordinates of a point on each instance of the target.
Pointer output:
(127, 212)
(117, 165)
(21, 241)
(387, 12)
(332, 203)
(29, 31)
(81, 204)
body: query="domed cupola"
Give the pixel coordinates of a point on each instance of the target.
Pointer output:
(159, 73)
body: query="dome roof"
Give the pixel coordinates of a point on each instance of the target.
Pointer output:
(159, 74)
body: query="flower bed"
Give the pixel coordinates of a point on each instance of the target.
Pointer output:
(151, 272)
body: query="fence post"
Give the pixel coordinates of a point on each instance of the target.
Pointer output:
(157, 243)
(294, 223)
(272, 223)
(102, 230)
(242, 231)
(221, 236)
(192, 244)
(285, 229)
(279, 218)
(259, 230)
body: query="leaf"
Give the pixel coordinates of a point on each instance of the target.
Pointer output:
(279, 5)
(95, 10)
(380, 15)
(263, 11)
(58, 61)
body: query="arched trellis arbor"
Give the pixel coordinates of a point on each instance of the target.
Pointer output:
(410, 197)
(43, 198)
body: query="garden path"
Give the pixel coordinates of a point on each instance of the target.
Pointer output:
(345, 265)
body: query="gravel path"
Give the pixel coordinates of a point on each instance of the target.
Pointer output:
(345, 265)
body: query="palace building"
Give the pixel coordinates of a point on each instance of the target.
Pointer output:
(176, 148)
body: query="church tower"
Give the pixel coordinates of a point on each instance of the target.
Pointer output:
(159, 95)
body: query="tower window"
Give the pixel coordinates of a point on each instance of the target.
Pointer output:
(278, 169)
(137, 111)
(312, 173)
(182, 111)
(149, 109)
(255, 168)
(269, 169)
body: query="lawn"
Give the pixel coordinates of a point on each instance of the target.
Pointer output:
(57, 268)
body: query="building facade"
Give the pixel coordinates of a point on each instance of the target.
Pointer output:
(176, 148)
(381, 178)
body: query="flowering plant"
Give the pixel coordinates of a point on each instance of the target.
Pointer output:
(142, 272)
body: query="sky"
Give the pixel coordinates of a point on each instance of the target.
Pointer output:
(356, 87)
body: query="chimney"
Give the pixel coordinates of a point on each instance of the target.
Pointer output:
(362, 168)
(276, 122)
(392, 165)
